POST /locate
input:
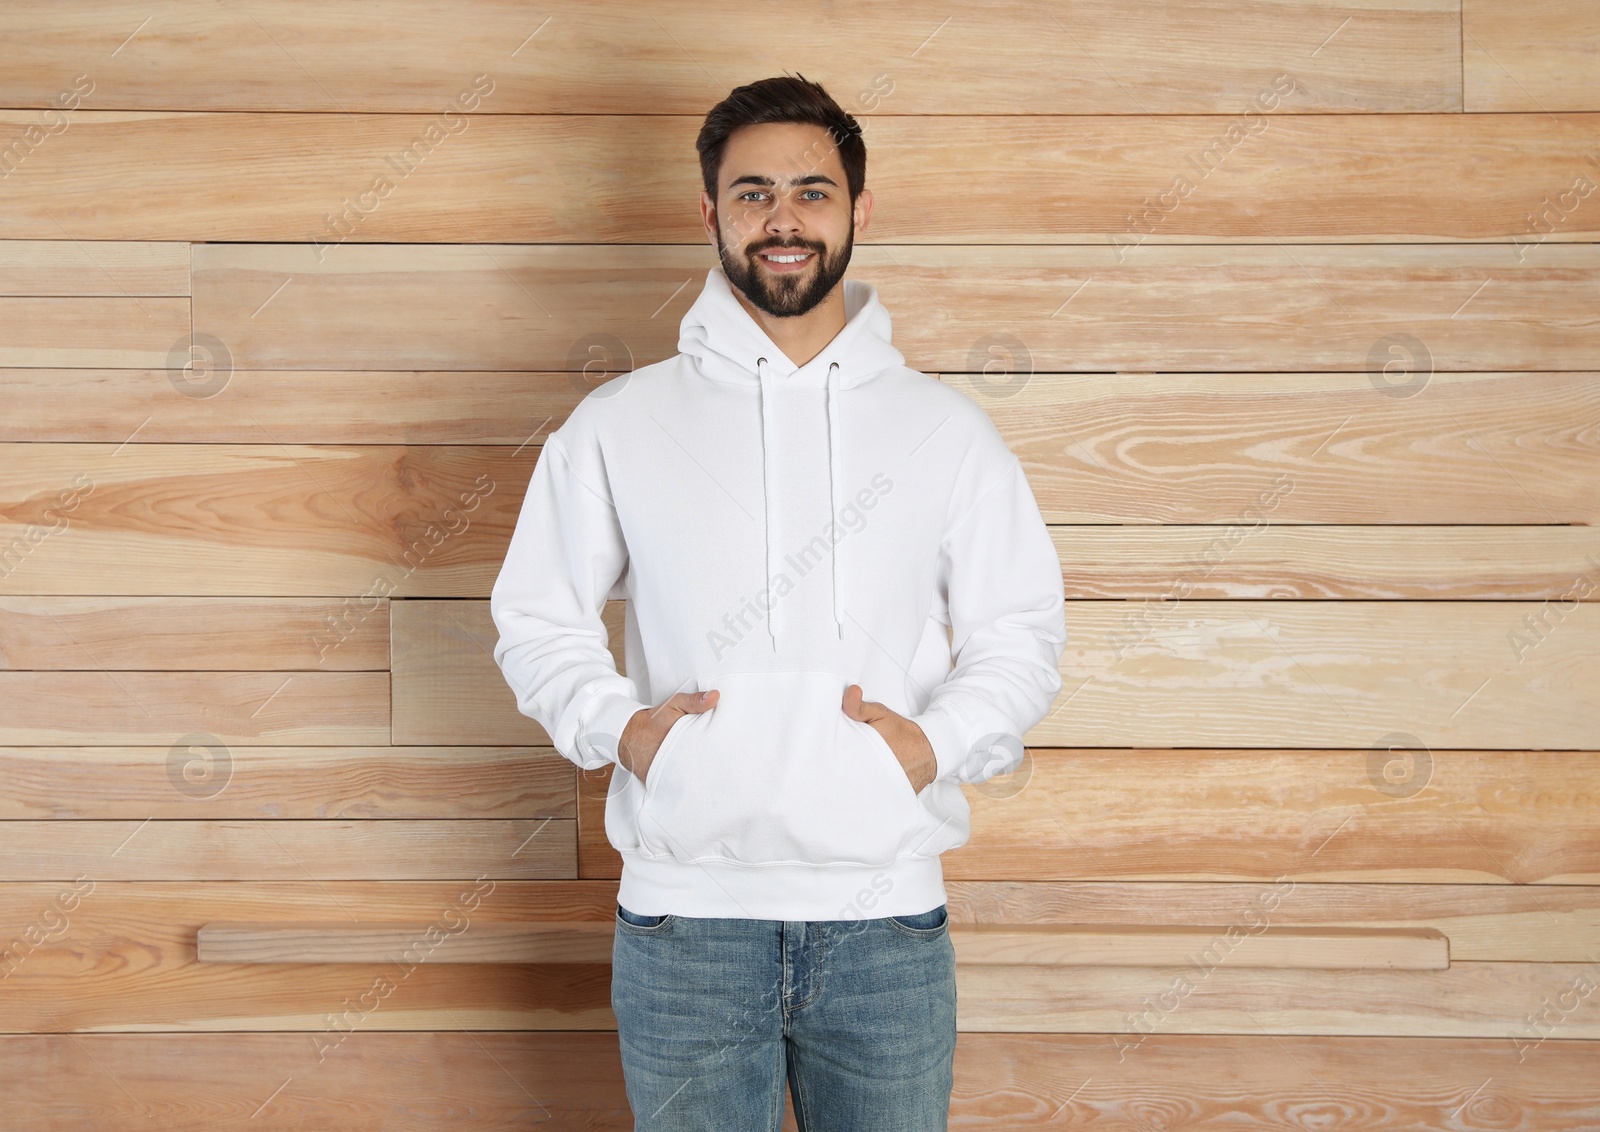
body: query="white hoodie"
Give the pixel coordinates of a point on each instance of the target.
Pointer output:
(680, 487)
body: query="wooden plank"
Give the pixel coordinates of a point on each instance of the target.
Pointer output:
(1183, 56)
(1158, 178)
(1024, 309)
(125, 957)
(1501, 675)
(433, 1082)
(1126, 945)
(91, 331)
(1444, 817)
(1249, 449)
(92, 267)
(215, 780)
(442, 661)
(288, 407)
(1252, 558)
(1469, 1000)
(362, 522)
(460, 941)
(1537, 55)
(1504, 675)
(1131, 448)
(270, 708)
(1138, 945)
(333, 849)
(190, 634)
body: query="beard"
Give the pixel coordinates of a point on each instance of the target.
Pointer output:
(790, 294)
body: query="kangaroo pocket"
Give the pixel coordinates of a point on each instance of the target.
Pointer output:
(776, 773)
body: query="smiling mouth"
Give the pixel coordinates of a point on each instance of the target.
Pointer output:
(786, 257)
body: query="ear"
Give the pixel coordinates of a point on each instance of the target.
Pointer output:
(708, 217)
(863, 210)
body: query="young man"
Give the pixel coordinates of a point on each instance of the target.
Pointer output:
(795, 518)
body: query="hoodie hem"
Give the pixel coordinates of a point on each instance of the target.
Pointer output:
(728, 890)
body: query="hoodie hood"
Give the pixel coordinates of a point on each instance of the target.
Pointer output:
(728, 345)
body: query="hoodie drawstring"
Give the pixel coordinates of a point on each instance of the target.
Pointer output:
(833, 492)
(766, 495)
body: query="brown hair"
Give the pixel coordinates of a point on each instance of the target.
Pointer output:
(781, 99)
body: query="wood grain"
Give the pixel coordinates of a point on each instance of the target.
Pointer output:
(1001, 310)
(361, 522)
(1441, 817)
(1119, 945)
(72, 709)
(1256, 559)
(1003, 1082)
(1181, 56)
(289, 407)
(1247, 176)
(333, 849)
(190, 634)
(120, 330)
(1256, 449)
(1193, 674)
(58, 267)
(1538, 55)
(443, 654)
(236, 781)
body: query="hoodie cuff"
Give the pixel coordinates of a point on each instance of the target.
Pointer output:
(601, 735)
(947, 733)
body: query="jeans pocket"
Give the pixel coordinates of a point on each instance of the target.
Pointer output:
(923, 924)
(641, 923)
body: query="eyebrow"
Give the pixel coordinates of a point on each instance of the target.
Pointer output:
(768, 182)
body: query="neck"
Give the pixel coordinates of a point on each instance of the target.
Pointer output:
(802, 337)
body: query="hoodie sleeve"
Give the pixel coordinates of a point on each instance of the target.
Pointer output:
(1001, 579)
(566, 554)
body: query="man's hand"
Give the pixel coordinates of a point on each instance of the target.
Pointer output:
(641, 738)
(904, 737)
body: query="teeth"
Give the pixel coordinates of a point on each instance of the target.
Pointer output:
(788, 258)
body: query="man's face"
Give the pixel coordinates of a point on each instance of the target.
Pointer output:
(782, 192)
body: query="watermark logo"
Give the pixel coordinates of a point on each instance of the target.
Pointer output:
(199, 365)
(1399, 765)
(1399, 365)
(199, 765)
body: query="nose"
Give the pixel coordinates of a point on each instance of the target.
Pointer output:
(782, 218)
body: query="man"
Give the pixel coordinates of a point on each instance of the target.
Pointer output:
(795, 518)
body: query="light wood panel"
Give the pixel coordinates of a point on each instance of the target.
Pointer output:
(73, 709)
(1442, 817)
(1535, 55)
(442, 652)
(1184, 674)
(289, 407)
(362, 522)
(1201, 448)
(1121, 945)
(1252, 558)
(330, 178)
(92, 331)
(192, 634)
(1178, 57)
(1485, 922)
(1003, 1082)
(91, 267)
(202, 781)
(1500, 675)
(1304, 448)
(1223, 309)
(334, 849)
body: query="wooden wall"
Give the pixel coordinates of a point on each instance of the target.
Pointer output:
(290, 295)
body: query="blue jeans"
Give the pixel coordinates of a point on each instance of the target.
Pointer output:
(712, 1014)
